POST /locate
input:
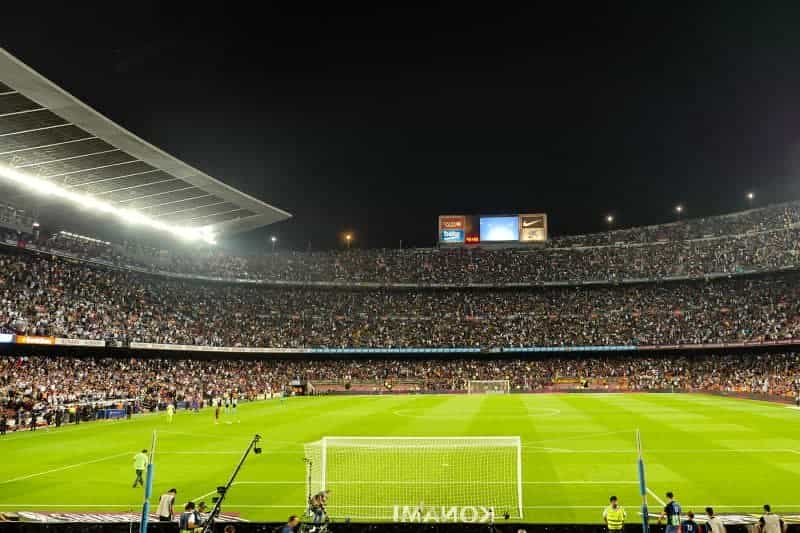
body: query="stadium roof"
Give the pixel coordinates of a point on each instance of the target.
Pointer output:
(51, 141)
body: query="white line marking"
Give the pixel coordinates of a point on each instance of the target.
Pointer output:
(81, 505)
(476, 482)
(534, 450)
(203, 496)
(580, 482)
(530, 412)
(76, 465)
(654, 495)
(538, 450)
(201, 453)
(138, 505)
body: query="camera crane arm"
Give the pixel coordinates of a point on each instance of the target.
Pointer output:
(208, 527)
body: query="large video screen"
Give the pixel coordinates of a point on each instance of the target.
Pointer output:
(497, 229)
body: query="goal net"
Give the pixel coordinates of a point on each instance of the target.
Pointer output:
(492, 386)
(455, 479)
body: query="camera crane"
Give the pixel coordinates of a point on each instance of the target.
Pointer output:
(222, 491)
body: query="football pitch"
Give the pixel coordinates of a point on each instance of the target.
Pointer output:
(577, 449)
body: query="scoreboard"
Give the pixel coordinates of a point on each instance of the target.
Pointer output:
(460, 230)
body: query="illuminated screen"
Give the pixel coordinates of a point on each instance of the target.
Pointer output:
(499, 229)
(452, 235)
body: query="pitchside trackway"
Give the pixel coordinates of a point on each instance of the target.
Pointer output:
(578, 449)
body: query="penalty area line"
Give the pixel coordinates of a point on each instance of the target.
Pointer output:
(68, 467)
(654, 495)
(203, 496)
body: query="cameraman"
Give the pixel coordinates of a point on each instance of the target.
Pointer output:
(316, 505)
(189, 521)
(291, 525)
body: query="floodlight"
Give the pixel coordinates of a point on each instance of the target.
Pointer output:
(42, 186)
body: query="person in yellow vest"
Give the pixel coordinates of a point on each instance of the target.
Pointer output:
(614, 515)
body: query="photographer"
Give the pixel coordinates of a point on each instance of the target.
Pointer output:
(202, 513)
(316, 505)
(166, 504)
(189, 521)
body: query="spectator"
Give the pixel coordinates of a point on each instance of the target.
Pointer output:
(713, 522)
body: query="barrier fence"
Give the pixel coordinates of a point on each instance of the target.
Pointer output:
(34, 340)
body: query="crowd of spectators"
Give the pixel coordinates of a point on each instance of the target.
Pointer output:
(33, 383)
(755, 240)
(49, 296)
(779, 216)
(654, 261)
(41, 384)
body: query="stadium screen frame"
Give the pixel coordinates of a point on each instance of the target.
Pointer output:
(499, 228)
(528, 229)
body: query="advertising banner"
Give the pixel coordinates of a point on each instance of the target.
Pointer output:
(33, 339)
(452, 228)
(80, 342)
(224, 349)
(533, 228)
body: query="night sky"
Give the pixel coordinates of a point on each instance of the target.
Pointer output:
(376, 121)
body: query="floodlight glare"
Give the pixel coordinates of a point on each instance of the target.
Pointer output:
(42, 186)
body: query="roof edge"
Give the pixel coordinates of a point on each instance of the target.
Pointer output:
(44, 92)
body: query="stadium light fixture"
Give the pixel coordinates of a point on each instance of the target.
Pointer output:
(751, 196)
(610, 219)
(83, 237)
(45, 188)
(679, 209)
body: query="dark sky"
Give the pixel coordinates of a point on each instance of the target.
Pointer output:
(378, 120)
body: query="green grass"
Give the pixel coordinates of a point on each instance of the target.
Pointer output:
(578, 449)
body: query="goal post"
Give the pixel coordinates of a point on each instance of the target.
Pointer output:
(417, 479)
(488, 386)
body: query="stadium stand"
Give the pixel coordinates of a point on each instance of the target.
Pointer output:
(48, 296)
(72, 287)
(37, 386)
(740, 243)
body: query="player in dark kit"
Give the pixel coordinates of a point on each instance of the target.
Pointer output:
(689, 525)
(672, 512)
